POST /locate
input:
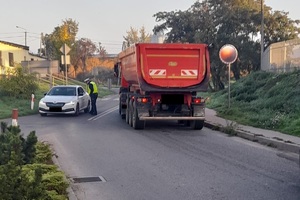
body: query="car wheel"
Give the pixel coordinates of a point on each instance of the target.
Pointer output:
(77, 110)
(87, 109)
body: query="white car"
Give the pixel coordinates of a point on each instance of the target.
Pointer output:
(65, 99)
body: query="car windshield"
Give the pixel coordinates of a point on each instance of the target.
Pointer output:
(62, 91)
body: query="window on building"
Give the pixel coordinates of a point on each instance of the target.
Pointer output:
(11, 59)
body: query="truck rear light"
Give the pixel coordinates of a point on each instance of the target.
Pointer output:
(142, 100)
(198, 100)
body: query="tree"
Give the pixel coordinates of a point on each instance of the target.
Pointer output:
(63, 34)
(84, 48)
(279, 27)
(236, 22)
(136, 36)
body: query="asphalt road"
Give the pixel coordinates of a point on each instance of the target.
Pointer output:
(165, 161)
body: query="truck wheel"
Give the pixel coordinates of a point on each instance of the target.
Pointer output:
(123, 115)
(130, 113)
(136, 122)
(186, 122)
(127, 112)
(127, 115)
(180, 121)
(197, 124)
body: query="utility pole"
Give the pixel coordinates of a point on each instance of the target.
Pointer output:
(25, 34)
(41, 42)
(262, 34)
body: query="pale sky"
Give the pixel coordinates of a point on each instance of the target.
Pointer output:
(101, 21)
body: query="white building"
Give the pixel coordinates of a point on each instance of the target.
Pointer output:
(158, 38)
(12, 54)
(282, 56)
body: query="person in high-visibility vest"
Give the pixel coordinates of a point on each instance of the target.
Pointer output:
(93, 92)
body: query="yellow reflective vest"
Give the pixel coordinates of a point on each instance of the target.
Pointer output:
(95, 88)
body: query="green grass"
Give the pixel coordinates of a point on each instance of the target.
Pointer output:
(264, 100)
(7, 104)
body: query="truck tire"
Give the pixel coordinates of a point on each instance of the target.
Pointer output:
(197, 124)
(120, 107)
(186, 122)
(127, 113)
(123, 115)
(130, 113)
(137, 124)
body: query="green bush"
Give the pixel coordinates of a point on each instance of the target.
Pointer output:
(18, 85)
(43, 153)
(25, 172)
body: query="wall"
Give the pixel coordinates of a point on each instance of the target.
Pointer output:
(42, 67)
(282, 56)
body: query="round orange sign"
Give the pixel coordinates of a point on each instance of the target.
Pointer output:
(228, 54)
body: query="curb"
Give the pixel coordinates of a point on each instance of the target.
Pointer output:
(71, 194)
(259, 138)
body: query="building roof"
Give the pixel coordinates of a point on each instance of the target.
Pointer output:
(15, 45)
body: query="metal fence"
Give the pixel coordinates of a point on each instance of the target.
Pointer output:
(282, 56)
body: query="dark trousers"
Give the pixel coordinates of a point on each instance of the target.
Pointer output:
(94, 97)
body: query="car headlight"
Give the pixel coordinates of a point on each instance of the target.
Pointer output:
(42, 102)
(70, 103)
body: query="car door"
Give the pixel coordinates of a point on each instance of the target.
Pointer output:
(81, 98)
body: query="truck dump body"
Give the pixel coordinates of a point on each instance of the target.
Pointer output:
(166, 66)
(161, 81)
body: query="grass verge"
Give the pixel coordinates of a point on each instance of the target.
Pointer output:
(264, 100)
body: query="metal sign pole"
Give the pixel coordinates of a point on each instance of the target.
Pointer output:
(65, 50)
(66, 68)
(228, 55)
(229, 85)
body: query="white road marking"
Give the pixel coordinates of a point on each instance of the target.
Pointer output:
(104, 113)
(107, 98)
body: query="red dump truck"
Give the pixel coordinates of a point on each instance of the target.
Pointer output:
(161, 81)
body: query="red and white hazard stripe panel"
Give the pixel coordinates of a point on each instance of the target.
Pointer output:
(189, 72)
(157, 72)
